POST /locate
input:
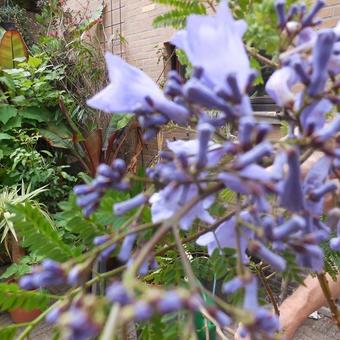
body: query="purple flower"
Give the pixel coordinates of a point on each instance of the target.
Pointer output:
(328, 131)
(233, 285)
(294, 224)
(116, 293)
(321, 56)
(222, 318)
(311, 256)
(170, 302)
(126, 248)
(142, 311)
(165, 203)
(191, 150)
(254, 155)
(277, 262)
(292, 195)
(205, 132)
(225, 236)
(130, 90)
(308, 19)
(313, 116)
(315, 179)
(89, 195)
(281, 12)
(124, 207)
(215, 45)
(279, 86)
(48, 274)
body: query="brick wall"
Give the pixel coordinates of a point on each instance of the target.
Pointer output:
(331, 13)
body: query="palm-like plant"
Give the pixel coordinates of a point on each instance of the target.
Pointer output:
(12, 196)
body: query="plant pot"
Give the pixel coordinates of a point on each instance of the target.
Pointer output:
(9, 25)
(17, 252)
(20, 315)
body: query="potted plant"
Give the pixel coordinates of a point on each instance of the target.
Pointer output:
(8, 236)
(13, 274)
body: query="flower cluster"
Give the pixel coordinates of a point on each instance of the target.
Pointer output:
(279, 208)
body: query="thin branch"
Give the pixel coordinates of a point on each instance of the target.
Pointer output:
(268, 290)
(261, 58)
(330, 300)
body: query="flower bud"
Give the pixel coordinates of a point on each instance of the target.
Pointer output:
(124, 207)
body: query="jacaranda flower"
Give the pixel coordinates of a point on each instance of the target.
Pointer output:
(214, 43)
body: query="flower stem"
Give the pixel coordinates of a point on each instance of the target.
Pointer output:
(111, 324)
(328, 295)
(268, 289)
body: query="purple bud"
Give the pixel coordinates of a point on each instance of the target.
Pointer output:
(308, 19)
(293, 225)
(292, 196)
(170, 302)
(328, 131)
(196, 92)
(116, 293)
(119, 165)
(89, 199)
(281, 12)
(222, 319)
(250, 297)
(173, 88)
(142, 311)
(124, 207)
(106, 171)
(98, 240)
(235, 90)
(262, 131)
(173, 111)
(254, 155)
(150, 134)
(74, 276)
(318, 193)
(27, 283)
(334, 243)
(194, 302)
(232, 286)
(205, 132)
(246, 127)
(277, 262)
(82, 189)
(105, 254)
(321, 56)
(144, 268)
(293, 10)
(126, 248)
(267, 321)
(234, 183)
(53, 316)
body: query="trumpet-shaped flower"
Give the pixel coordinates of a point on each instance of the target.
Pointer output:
(215, 45)
(130, 90)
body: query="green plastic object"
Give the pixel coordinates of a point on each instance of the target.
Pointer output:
(201, 323)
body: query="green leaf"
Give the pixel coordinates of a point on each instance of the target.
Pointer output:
(8, 333)
(5, 136)
(11, 296)
(34, 62)
(7, 112)
(38, 234)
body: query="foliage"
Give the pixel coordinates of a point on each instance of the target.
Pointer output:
(13, 196)
(39, 234)
(180, 10)
(11, 296)
(17, 270)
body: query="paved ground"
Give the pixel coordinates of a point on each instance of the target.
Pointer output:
(322, 329)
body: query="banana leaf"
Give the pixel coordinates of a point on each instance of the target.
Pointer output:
(12, 46)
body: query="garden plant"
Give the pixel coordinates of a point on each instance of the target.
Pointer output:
(212, 209)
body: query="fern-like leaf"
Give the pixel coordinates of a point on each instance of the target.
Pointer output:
(11, 297)
(38, 234)
(179, 12)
